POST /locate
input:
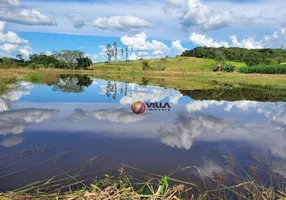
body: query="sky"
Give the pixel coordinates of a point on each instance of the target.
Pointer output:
(153, 28)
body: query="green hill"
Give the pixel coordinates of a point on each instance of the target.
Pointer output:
(165, 64)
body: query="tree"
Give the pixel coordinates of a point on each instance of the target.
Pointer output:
(69, 57)
(19, 57)
(108, 52)
(252, 59)
(45, 60)
(83, 63)
(250, 56)
(115, 50)
(126, 53)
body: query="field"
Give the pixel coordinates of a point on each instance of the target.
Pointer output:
(166, 64)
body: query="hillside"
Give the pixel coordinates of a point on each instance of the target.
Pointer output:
(165, 64)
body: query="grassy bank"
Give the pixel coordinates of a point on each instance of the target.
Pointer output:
(177, 80)
(193, 80)
(179, 64)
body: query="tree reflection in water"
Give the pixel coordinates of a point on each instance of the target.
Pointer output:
(72, 83)
(112, 89)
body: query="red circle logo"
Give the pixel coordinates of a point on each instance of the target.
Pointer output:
(138, 107)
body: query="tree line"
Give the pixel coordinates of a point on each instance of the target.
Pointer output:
(250, 56)
(65, 59)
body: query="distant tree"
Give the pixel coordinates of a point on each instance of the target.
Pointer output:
(115, 50)
(122, 52)
(108, 52)
(83, 63)
(249, 56)
(19, 57)
(126, 53)
(252, 59)
(45, 60)
(69, 56)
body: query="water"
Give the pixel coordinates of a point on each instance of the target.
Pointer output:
(88, 124)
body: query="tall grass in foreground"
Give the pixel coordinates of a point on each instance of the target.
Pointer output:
(266, 69)
(4, 83)
(48, 77)
(259, 180)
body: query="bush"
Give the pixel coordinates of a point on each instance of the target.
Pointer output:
(264, 69)
(145, 65)
(83, 63)
(222, 67)
(228, 68)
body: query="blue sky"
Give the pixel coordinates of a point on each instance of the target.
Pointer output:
(153, 28)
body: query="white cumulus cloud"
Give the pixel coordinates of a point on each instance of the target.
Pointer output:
(12, 11)
(177, 47)
(140, 42)
(203, 40)
(11, 44)
(195, 13)
(120, 23)
(248, 43)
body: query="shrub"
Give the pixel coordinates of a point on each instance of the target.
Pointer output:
(145, 65)
(83, 63)
(217, 67)
(228, 68)
(264, 69)
(222, 67)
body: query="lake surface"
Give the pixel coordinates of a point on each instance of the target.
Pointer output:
(88, 125)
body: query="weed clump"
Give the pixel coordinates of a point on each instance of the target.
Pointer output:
(145, 65)
(223, 67)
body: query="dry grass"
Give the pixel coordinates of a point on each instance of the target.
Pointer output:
(244, 184)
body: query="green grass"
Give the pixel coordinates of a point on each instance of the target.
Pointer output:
(169, 64)
(35, 77)
(5, 82)
(266, 69)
